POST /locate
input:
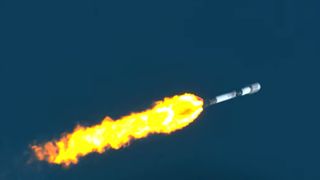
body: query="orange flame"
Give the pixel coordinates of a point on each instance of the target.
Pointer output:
(166, 116)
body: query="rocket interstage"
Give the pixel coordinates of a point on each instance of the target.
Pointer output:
(164, 117)
(251, 89)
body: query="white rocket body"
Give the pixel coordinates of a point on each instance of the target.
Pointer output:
(251, 89)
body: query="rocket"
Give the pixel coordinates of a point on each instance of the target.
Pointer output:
(251, 89)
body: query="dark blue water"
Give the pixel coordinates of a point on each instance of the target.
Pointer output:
(69, 62)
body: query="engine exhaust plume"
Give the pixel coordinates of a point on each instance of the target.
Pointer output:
(166, 116)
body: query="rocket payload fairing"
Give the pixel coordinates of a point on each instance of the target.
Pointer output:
(251, 89)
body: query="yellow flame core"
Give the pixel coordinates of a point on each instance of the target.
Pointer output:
(165, 116)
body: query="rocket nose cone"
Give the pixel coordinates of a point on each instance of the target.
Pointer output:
(255, 87)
